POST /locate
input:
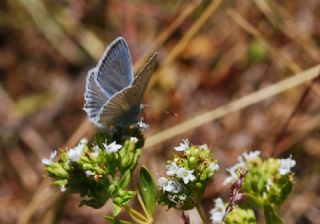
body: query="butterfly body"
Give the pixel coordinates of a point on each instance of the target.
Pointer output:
(113, 96)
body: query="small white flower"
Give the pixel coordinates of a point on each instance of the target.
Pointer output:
(84, 141)
(172, 198)
(142, 125)
(213, 167)
(248, 157)
(286, 165)
(186, 175)
(89, 173)
(183, 146)
(75, 153)
(177, 200)
(63, 188)
(204, 146)
(218, 212)
(172, 186)
(269, 184)
(113, 147)
(183, 197)
(49, 161)
(233, 172)
(162, 181)
(96, 151)
(134, 139)
(172, 169)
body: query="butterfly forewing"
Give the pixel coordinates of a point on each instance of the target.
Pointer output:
(143, 77)
(124, 107)
(114, 70)
(94, 96)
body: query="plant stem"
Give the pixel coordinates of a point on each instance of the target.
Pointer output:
(200, 212)
(144, 208)
(136, 216)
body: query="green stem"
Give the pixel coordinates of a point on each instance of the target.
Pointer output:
(136, 216)
(144, 208)
(200, 212)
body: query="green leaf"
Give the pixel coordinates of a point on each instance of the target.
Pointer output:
(116, 209)
(256, 201)
(270, 215)
(148, 190)
(125, 180)
(113, 220)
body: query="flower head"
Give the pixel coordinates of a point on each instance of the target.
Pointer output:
(113, 147)
(172, 186)
(162, 181)
(218, 212)
(248, 157)
(96, 150)
(84, 141)
(89, 173)
(172, 169)
(269, 184)
(141, 125)
(213, 167)
(49, 161)
(75, 153)
(63, 188)
(134, 139)
(186, 175)
(286, 165)
(204, 146)
(233, 175)
(183, 146)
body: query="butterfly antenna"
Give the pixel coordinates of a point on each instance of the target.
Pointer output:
(163, 111)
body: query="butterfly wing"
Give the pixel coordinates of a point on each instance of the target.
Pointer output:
(141, 81)
(94, 96)
(124, 107)
(118, 111)
(114, 69)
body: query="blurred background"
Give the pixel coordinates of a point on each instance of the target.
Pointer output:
(212, 54)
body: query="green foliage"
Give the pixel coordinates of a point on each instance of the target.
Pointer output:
(113, 220)
(270, 214)
(100, 171)
(265, 183)
(241, 215)
(148, 190)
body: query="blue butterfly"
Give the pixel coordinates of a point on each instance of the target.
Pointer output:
(113, 95)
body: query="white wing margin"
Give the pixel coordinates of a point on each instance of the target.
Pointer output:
(94, 97)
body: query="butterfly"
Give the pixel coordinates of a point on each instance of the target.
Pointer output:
(113, 95)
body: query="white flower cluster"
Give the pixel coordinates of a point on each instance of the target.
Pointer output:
(49, 161)
(183, 146)
(112, 147)
(286, 165)
(174, 170)
(75, 153)
(218, 212)
(169, 185)
(142, 125)
(242, 160)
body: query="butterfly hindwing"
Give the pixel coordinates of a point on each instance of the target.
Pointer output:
(94, 96)
(114, 69)
(118, 111)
